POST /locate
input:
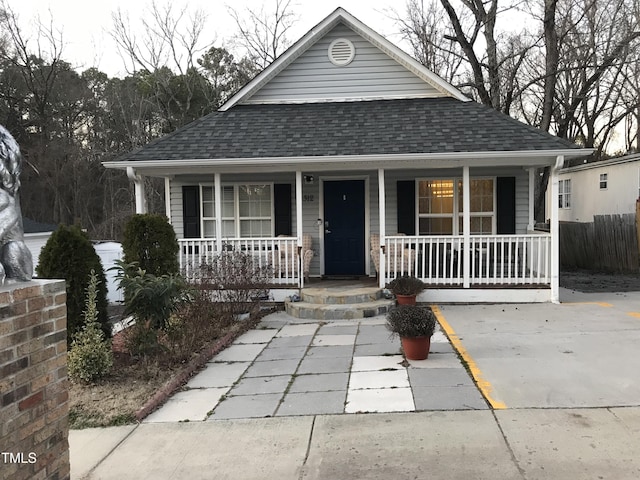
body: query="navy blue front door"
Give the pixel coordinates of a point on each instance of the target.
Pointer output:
(344, 242)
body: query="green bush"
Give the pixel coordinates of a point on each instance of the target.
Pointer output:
(150, 242)
(151, 300)
(69, 254)
(90, 356)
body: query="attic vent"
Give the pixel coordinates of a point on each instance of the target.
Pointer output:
(341, 52)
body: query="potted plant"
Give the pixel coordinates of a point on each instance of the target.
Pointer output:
(406, 289)
(415, 326)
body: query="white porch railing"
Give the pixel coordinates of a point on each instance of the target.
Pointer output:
(279, 253)
(493, 259)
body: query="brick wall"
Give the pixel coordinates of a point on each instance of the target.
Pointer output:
(33, 381)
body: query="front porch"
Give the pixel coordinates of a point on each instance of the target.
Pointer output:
(455, 268)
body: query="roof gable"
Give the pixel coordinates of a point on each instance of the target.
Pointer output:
(356, 81)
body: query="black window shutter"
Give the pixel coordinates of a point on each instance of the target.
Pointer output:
(406, 205)
(282, 208)
(506, 202)
(191, 211)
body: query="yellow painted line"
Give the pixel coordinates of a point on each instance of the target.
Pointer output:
(600, 304)
(634, 314)
(485, 387)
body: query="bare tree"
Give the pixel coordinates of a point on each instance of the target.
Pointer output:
(425, 28)
(263, 34)
(163, 57)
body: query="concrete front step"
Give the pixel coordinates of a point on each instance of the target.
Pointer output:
(346, 311)
(340, 296)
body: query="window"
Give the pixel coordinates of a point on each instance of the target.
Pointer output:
(438, 206)
(246, 211)
(603, 181)
(564, 193)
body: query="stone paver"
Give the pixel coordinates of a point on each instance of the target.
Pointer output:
(317, 368)
(247, 406)
(271, 368)
(322, 382)
(369, 363)
(218, 375)
(261, 385)
(239, 353)
(333, 340)
(380, 400)
(379, 379)
(448, 398)
(312, 403)
(257, 336)
(324, 365)
(190, 405)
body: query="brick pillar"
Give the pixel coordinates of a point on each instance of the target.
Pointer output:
(34, 394)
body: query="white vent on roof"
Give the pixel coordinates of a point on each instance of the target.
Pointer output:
(341, 52)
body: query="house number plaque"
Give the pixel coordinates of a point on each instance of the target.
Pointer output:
(307, 198)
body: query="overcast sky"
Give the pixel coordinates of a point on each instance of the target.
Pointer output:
(85, 24)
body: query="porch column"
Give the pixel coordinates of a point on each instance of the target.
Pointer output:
(382, 230)
(466, 228)
(138, 183)
(167, 198)
(217, 200)
(554, 229)
(299, 225)
(532, 195)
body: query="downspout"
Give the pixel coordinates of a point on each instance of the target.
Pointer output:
(554, 227)
(138, 183)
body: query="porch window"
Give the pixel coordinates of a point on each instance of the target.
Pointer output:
(440, 211)
(564, 193)
(247, 210)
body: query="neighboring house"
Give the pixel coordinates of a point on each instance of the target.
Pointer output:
(346, 142)
(599, 188)
(36, 235)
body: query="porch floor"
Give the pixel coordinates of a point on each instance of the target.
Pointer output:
(289, 366)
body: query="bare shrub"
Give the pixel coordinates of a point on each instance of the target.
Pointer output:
(235, 280)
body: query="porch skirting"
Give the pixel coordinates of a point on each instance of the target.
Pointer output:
(485, 295)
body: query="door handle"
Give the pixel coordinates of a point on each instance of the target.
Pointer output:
(326, 230)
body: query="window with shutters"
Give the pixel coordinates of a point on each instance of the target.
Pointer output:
(440, 206)
(247, 210)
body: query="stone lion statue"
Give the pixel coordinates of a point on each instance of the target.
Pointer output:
(15, 257)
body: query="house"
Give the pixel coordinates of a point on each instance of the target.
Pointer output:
(348, 144)
(599, 188)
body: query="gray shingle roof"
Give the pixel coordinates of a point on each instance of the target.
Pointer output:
(430, 125)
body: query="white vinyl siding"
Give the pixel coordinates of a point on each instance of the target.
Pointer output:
(371, 75)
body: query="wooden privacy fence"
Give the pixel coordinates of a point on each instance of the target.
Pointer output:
(609, 244)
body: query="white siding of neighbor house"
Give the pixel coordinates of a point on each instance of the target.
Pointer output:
(587, 199)
(371, 75)
(312, 198)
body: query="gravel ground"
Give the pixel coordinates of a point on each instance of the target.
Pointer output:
(585, 281)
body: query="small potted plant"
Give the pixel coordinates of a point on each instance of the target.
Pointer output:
(415, 326)
(406, 289)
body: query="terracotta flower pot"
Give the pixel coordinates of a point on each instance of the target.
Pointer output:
(406, 299)
(416, 348)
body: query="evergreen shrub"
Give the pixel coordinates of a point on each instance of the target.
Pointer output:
(69, 255)
(150, 242)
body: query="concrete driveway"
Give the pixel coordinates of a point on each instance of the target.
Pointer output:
(562, 380)
(581, 353)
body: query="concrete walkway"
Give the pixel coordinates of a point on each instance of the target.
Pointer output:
(565, 377)
(290, 367)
